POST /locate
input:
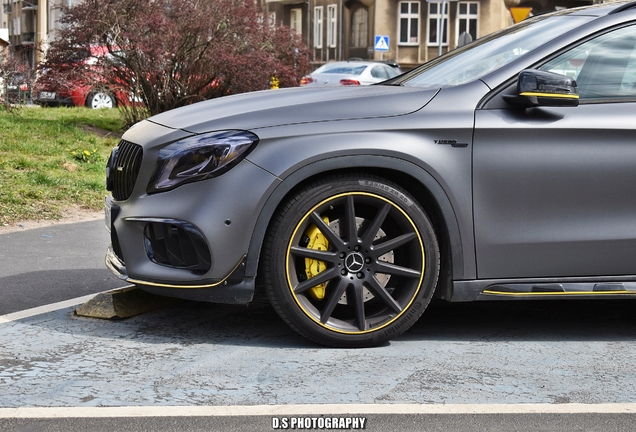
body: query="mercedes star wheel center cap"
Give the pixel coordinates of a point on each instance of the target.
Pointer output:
(354, 262)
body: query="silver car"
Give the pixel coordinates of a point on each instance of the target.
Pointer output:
(502, 170)
(350, 73)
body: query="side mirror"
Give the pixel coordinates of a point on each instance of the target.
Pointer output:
(538, 88)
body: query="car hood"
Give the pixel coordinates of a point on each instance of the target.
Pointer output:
(296, 105)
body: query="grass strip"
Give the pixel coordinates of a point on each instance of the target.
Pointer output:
(52, 159)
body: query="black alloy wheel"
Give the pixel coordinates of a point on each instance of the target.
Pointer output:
(351, 261)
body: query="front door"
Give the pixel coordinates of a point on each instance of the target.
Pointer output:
(555, 188)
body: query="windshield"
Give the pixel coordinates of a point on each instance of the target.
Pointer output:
(490, 52)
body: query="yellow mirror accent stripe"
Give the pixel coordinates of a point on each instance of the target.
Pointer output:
(554, 95)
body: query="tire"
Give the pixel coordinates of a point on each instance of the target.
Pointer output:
(350, 261)
(99, 100)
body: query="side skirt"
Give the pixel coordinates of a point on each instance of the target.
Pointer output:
(542, 289)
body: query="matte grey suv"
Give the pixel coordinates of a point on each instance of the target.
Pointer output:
(505, 169)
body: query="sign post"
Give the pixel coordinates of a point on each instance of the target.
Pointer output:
(381, 45)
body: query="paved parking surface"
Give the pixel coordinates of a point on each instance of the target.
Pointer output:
(205, 354)
(206, 357)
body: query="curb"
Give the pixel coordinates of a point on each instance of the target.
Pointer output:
(123, 303)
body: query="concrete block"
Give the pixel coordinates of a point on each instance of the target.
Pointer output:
(123, 303)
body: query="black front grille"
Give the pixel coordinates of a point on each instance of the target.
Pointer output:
(177, 244)
(123, 168)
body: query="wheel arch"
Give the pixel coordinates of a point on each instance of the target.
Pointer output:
(418, 182)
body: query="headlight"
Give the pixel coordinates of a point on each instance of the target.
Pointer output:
(199, 157)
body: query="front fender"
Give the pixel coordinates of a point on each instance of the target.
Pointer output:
(358, 162)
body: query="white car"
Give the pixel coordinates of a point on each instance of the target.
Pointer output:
(350, 73)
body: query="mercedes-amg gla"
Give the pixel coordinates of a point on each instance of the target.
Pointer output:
(505, 169)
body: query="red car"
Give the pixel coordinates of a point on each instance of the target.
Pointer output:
(78, 96)
(80, 84)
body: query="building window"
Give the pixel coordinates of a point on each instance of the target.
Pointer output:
(332, 26)
(435, 24)
(318, 27)
(409, 23)
(296, 20)
(271, 19)
(359, 26)
(467, 19)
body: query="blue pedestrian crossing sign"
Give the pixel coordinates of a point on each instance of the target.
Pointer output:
(381, 43)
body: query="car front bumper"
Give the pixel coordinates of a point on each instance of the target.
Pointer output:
(219, 214)
(220, 292)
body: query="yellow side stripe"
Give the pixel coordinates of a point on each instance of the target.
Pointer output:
(140, 282)
(554, 293)
(554, 95)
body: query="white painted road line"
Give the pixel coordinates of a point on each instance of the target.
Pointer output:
(308, 410)
(46, 308)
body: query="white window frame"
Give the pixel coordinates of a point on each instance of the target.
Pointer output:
(318, 20)
(332, 26)
(271, 19)
(296, 20)
(438, 20)
(467, 17)
(412, 19)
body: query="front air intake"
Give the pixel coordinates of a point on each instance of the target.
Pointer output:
(177, 244)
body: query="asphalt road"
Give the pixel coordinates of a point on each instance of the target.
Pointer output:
(385, 423)
(51, 264)
(199, 355)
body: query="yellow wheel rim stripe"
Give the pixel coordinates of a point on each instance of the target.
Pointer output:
(288, 256)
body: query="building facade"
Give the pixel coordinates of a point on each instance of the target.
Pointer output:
(417, 30)
(31, 24)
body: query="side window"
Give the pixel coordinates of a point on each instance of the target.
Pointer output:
(629, 79)
(604, 67)
(391, 72)
(379, 72)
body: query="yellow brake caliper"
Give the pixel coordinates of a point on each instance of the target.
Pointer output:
(314, 267)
